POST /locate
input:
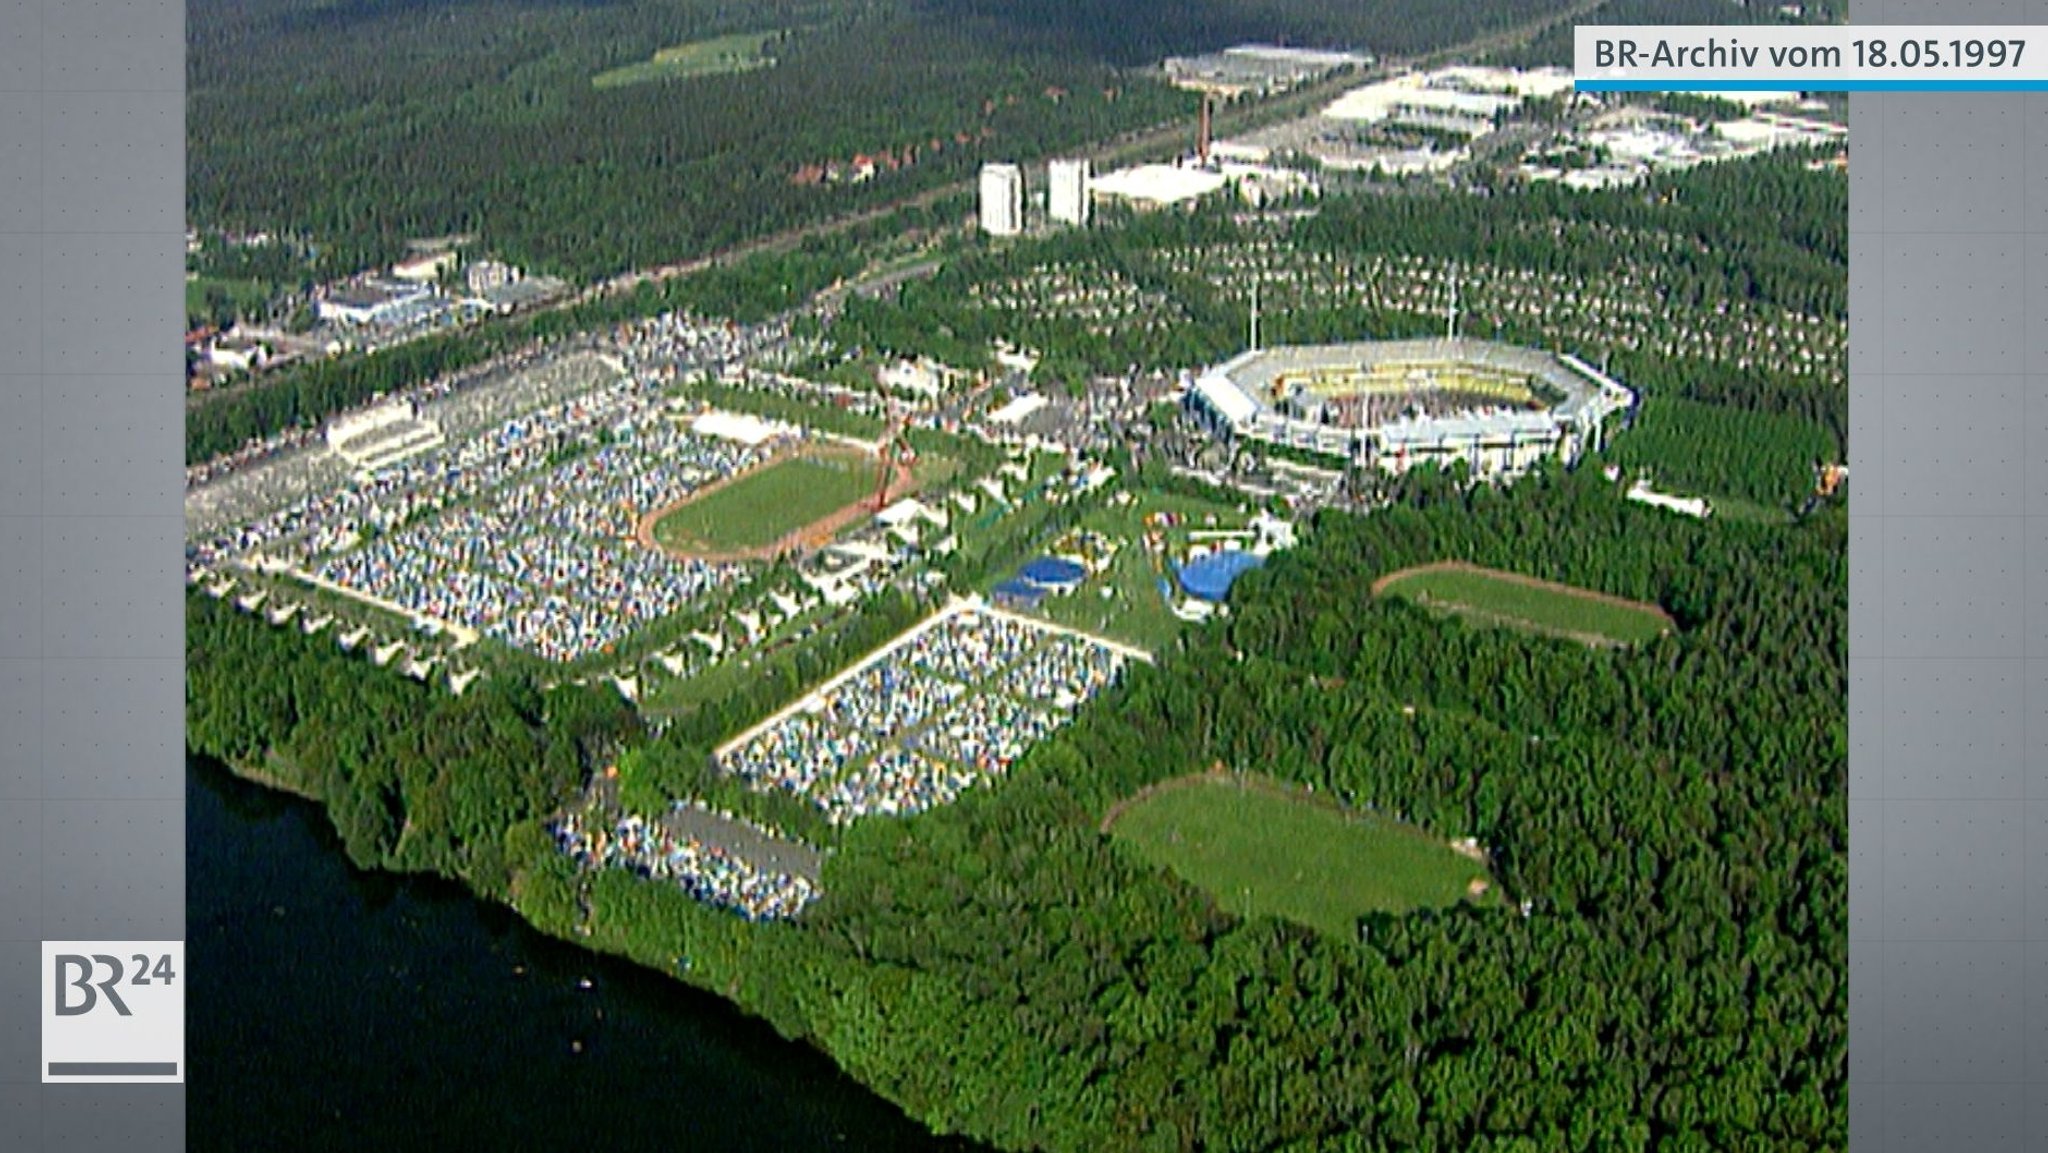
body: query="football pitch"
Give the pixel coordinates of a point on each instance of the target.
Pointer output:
(1485, 596)
(767, 505)
(1258, 848)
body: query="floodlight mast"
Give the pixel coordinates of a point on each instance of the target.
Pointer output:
(1255, 312)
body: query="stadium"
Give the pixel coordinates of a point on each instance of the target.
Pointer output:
(1394, 405)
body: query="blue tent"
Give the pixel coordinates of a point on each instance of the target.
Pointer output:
(1053, 573)
(1209, 578)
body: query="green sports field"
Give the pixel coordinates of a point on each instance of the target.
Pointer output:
(759, 509)
(1259, 849)
(1513, 602)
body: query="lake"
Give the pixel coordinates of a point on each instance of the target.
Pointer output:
(332, 1009)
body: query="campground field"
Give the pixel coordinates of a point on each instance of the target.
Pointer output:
(1509, 600)
(1260, 848)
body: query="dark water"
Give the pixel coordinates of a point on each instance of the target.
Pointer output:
(330, 1009)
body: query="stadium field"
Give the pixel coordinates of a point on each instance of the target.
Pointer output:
(1509, 600)
(769, 504)
(1258, 848)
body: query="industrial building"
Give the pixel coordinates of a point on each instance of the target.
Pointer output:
(1464, 101)
(1393, 405)
(1159, 185)
(1002, 199)
(1068, 193)
(1257, 68)
(373, 303)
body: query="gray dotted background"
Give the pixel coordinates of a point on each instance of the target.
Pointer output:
(92, 822)
(1948, 690)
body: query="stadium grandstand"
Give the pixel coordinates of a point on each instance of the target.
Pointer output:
(380, 437)
(1394, 405)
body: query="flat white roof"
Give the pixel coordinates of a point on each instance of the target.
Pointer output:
(1227, 398)
(1017, 409)
(1158, 183)
(737, 427)
(1296, 55)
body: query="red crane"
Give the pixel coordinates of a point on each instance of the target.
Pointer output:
(893, 451)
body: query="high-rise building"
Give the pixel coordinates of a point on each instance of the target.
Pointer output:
(1002, 199)
(1068, 192)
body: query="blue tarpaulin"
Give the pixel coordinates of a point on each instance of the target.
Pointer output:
(1053, 573)
(1209, 578)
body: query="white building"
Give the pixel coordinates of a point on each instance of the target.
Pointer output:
(371, 303)
(1067, 182)
(424, 269)
(485, 275)
(1499, 425)
(1694, 507)
(1159, 185)
(1002, 199)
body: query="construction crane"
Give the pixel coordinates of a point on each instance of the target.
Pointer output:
(892, 452)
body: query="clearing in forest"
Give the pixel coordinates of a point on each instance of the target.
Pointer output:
(1259, 847)
(1492, 597)
(739, 53)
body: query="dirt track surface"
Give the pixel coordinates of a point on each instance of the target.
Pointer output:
(813, 535)
(1380, 586)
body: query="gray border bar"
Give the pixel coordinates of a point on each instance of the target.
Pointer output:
(92, 815)
(113, 1068)
(1948, 656)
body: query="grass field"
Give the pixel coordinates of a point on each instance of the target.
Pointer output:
(765, 506)
(1135, 613)
(739, 53)
(1265, 850)
(1510, 601)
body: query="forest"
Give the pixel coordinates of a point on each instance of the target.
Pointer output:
(1674, 816)
(1726, 452)
(364, 124)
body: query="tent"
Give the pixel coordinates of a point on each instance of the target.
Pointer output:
(1054, 574)
(1209, 578)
